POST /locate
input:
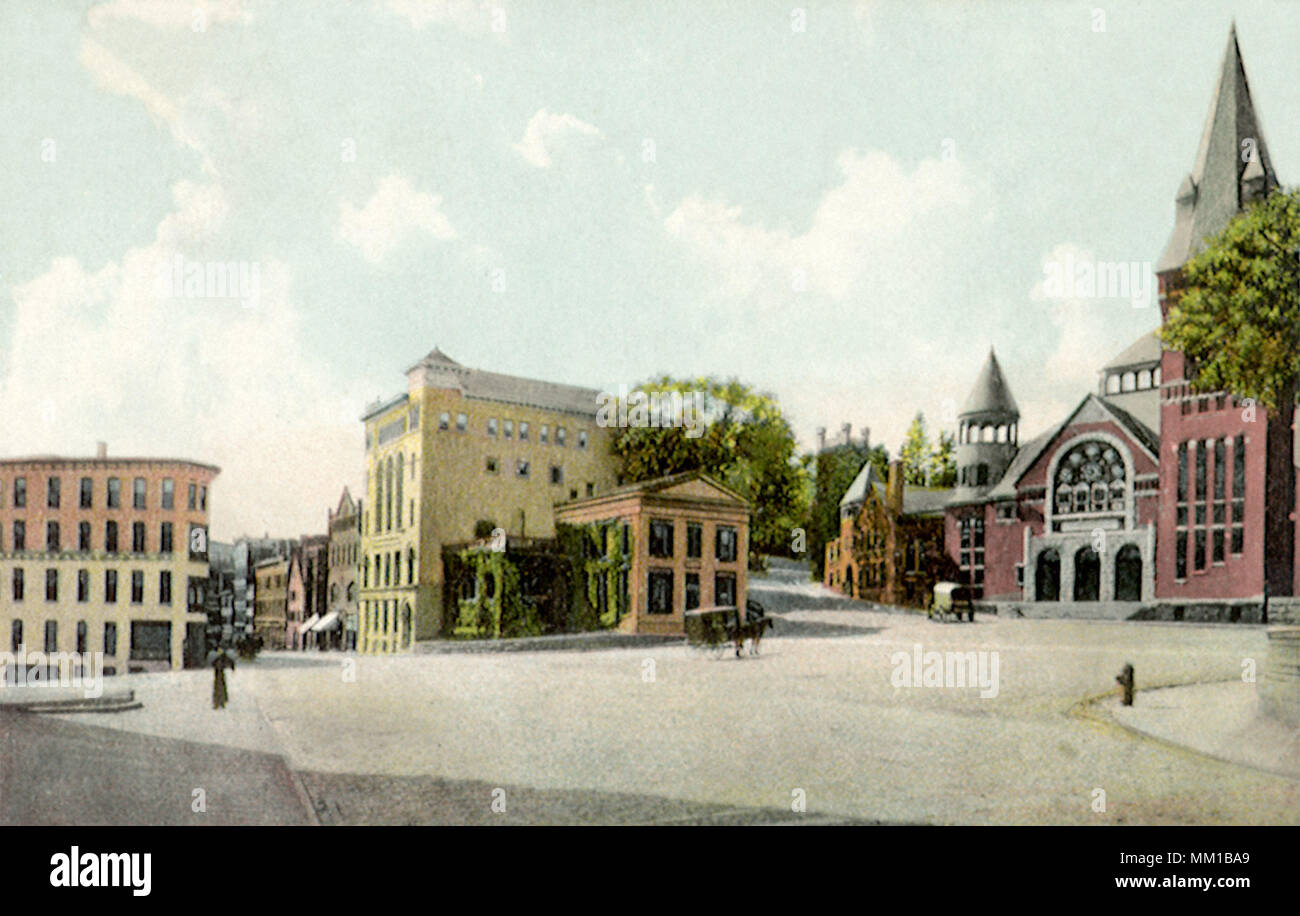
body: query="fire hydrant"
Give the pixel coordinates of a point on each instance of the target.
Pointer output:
(1125, 680)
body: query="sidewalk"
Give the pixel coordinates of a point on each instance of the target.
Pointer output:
(1220, 720)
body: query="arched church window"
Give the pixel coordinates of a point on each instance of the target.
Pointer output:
(1090, 478)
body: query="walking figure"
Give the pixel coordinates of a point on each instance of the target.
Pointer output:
(220, 663)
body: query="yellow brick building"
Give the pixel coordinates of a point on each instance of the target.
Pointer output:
(463, 448)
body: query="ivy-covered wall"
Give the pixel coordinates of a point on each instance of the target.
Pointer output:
(600, 565)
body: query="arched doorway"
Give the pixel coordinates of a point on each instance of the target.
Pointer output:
(1047, 576)
(1128, 574)
(850, 581)
(1087, 575)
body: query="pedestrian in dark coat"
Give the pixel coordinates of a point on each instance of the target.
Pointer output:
(220, 663)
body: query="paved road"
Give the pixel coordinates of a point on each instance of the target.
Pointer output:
(57, 772)
(667, 734)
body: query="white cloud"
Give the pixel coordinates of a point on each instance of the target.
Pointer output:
(100, 355)
(195, 15)
(466, 15)
(861, 227)
(545, 131)
(395, 210)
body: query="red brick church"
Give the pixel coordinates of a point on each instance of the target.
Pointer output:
(1147, 499)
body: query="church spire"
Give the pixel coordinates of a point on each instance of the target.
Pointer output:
(1232, 164)
(991, 395)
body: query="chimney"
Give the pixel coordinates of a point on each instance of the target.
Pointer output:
(101, 449)
(894, 489)
(821, 439)
(847, 429)
(866, 437)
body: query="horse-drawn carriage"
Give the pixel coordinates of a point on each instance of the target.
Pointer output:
(952, 598)
(713, 630)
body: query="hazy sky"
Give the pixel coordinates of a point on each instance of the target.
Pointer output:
(846, 204)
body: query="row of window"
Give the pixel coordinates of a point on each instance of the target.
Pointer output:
(1142, 380)
(388, 569)
(18, 585)
(660, 588)
(110, 544)
(971, 557)
(506, 429)
(108, 646)
(725, 541)
(1202, 519)
(198, 494)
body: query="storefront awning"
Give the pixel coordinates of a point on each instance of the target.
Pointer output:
(308, 623)
(329, 622)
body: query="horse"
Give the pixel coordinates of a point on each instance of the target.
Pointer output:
(751, 630)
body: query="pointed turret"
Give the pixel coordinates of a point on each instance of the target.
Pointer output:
(991, 394)
(1232, 165)
(988, 428)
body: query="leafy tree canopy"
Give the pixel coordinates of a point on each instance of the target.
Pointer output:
(1239, 316)
(731, 432)
(915, 452)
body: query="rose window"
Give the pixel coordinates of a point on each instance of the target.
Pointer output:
(1090, 478)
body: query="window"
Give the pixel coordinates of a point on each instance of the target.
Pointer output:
(694, 540)
(138, 500)
(51, 636)
(557, 474)
(51, 585)
(724, 590)
(692, 591)
(492, 426)
(1238, 493)
(137, 586)
(410, 565)
(87, 493)
(52, 536)
(573, 494)
(661, 591)
(521, 468)
(523, 430)
(110, 537)
(544, 434)
(52, 493)
(559, 435)
(81, 637)
(165, 587)
(20, 536)
(203, 499)
(20, 492)
(110, 639)
(1180, 555)
(165, 535)
(591, 489)
(508, 429)
(462, 423)
(491, 465)
(110, 586)
(83, 585)
(168, 493)
(725, 546)
(83, 536)
(137, 537)
(16, 635)
(18, 583)
(1091, 477)
(971, 531)
(582, 438)
(113, 495)
(444, 420)
(661, 538)
(193, 496)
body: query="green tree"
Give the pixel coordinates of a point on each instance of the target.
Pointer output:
(743, 441)
(1238, 317)
(915, 452)
(943, 461)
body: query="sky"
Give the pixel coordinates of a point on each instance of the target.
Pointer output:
(844, 204)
